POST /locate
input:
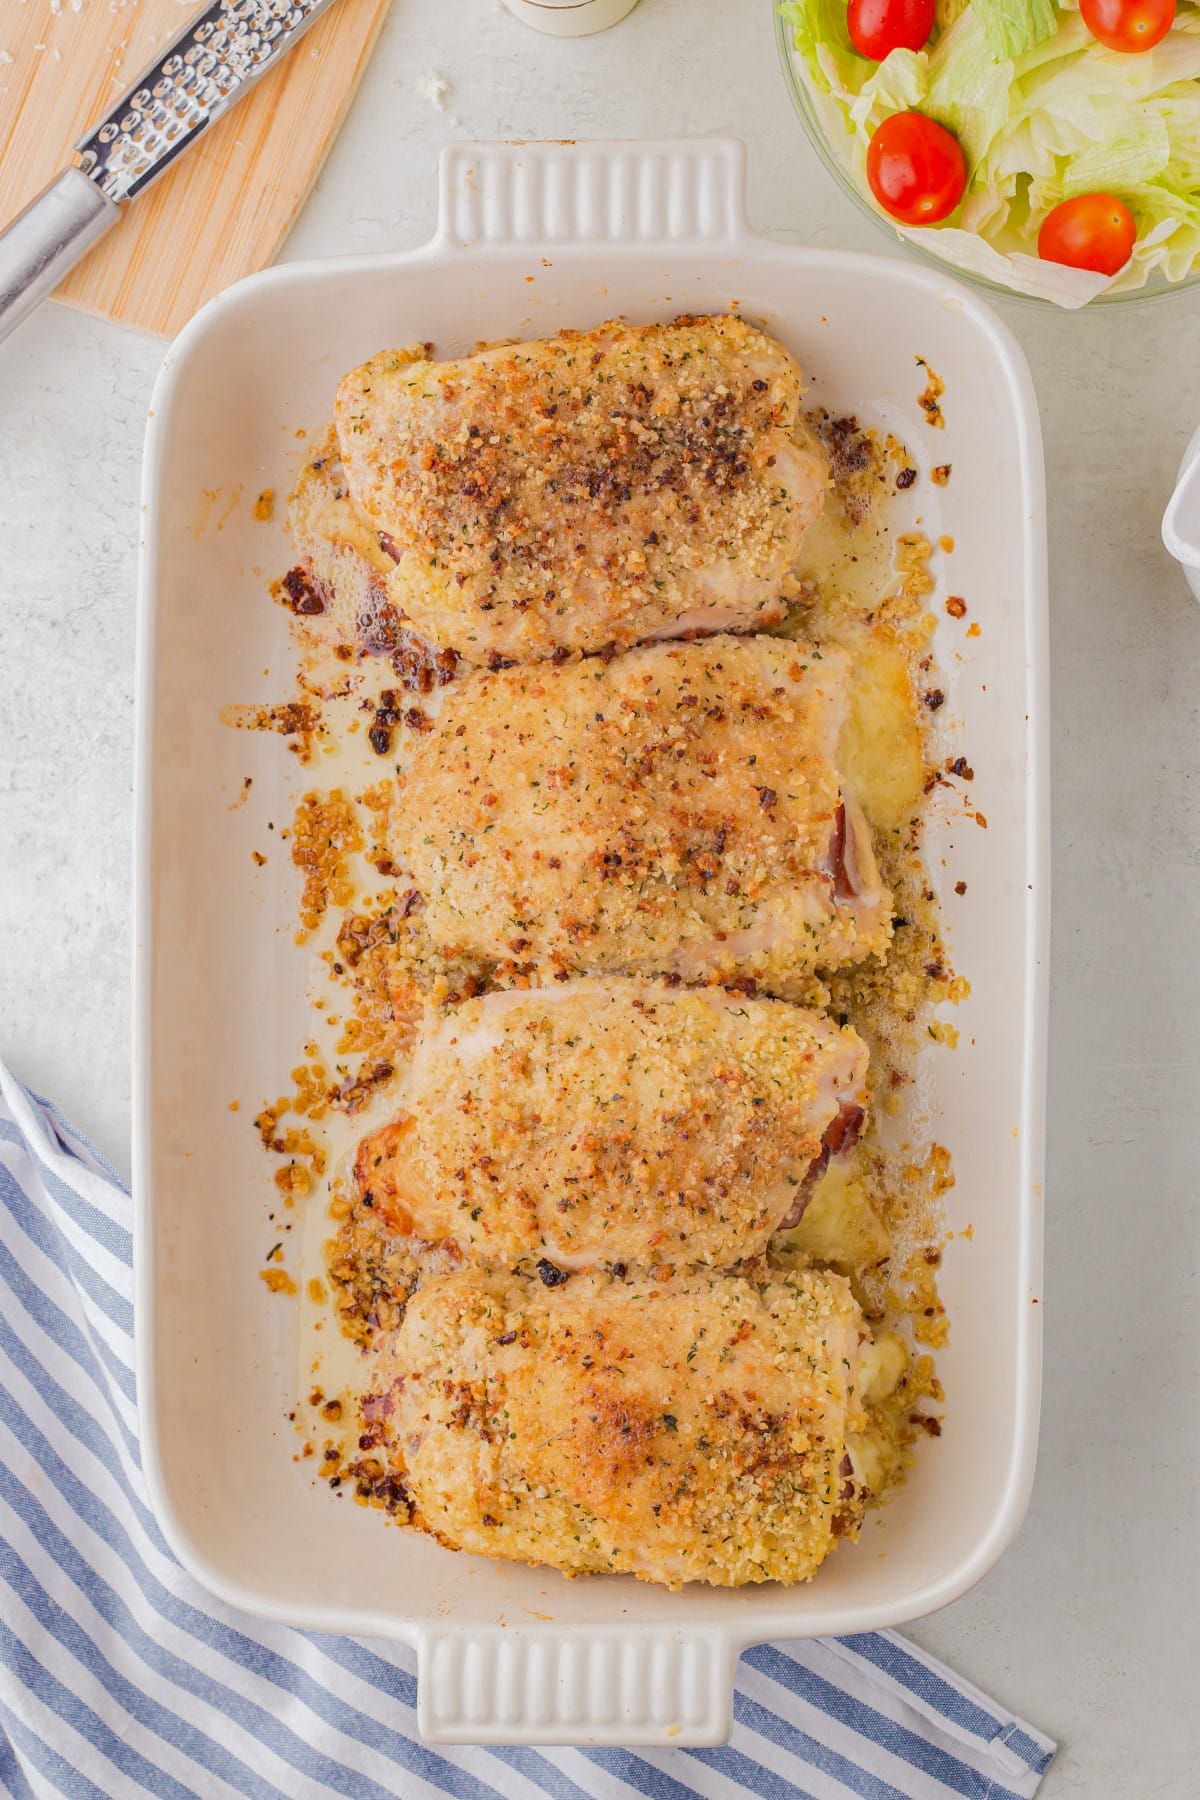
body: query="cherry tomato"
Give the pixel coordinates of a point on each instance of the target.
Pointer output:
(916, 168)
(1092, 231)
(1128, 25)
(877, 27)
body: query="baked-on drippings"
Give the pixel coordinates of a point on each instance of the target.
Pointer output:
(591, 489)
(674, 810)
(615, 1120)
(326, 832)
(679, 1427)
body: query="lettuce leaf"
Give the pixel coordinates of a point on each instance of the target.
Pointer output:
(1014, 26)
(1070, 288)
(822, 39)
(899, 84)
(946, 11)
(968, 89)
(1179, 110)
(1137, 153)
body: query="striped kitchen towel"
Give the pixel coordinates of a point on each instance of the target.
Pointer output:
(120, 1676)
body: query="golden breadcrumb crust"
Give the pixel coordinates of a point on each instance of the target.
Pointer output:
(681, 1427)
(672, 810)
(593, 488)
(612, 1120)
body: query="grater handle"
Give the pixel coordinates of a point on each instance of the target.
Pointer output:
(48, 239)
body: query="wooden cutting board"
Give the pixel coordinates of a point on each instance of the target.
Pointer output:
(226, 206)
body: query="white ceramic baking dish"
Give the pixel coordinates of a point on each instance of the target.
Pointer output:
(532, 237)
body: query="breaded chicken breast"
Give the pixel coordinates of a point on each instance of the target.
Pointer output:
(675, 810)
(590, 489)
(688, 1428)
(615, 1120)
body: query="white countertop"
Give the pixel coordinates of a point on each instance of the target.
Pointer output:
(1089, 1624)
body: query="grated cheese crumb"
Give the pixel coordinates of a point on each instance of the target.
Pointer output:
(434, 88)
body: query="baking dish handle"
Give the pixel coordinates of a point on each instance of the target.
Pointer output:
(560, 1685)
(658, 195)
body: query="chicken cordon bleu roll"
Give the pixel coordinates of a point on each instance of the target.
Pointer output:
(589, 489)
(675, 810)
(680, 1427)
(615, 1120)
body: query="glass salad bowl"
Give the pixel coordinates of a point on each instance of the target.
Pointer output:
(810, 115)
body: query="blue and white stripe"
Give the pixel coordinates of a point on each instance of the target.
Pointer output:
(119, 1676)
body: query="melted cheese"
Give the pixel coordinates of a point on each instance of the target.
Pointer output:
(877, 1452)
(840, 1226)
(882, 1362)
(880, 751)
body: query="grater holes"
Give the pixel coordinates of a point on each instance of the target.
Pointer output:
(232, 43)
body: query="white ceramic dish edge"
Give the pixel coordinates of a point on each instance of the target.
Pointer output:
(1181, 520)
(637, 1666)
